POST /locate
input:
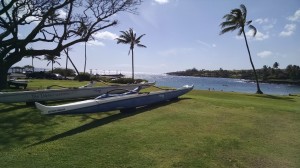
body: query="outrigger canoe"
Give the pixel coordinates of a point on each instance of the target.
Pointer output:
(65, 93)
(108, 102)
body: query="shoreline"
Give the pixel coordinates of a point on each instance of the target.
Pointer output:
(274, 81)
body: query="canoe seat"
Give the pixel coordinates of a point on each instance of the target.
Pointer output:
(107, 95)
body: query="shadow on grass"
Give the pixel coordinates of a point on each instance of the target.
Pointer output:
(19, 126)
(285, 98)
(10, 107)
(100, 122)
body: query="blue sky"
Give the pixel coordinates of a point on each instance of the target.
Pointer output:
(183, 34)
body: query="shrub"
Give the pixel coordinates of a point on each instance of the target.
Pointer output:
(64, 72)
(83, 77)
(127, 80)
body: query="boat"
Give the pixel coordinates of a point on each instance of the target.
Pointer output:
(108, 102)
(65, 93)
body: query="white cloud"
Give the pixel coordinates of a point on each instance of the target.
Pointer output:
(264, 54)
(33, 19)
(62, 14)
(162, 1)
(102, 36)
(261, 20)
(266, 23)
(288, 30)
(106, 35)
(259, 35)
(95, 43)
(295, 17)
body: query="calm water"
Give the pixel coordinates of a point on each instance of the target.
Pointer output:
(220, 84)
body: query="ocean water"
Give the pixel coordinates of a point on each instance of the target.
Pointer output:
(219, 84)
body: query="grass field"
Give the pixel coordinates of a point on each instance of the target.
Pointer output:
(201, 129)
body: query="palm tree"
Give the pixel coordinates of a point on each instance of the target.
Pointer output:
(82, 31)
(51, 59)
(276, 65)
(236, 20)
(129, 37)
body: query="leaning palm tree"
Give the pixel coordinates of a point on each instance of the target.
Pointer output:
(51, 59)
(129, 37)
(236, 20)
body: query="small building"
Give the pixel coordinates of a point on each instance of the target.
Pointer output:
(16, 69)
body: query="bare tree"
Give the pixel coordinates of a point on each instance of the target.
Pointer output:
(55, 24)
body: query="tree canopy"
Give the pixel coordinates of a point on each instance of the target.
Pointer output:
(52, 25)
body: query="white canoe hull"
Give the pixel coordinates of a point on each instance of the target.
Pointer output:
(114, 103)
(64, 94)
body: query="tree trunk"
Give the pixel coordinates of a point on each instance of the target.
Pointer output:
(257, 84)
(52, 67)
(32, 63)
(132, 64)
(66, 67)
(67, 53)
(3, 75)
(84, 57)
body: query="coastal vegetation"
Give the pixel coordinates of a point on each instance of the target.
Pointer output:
(267, 74)
(236, 20)
(201, 129)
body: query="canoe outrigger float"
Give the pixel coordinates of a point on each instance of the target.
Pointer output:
(66, 93)
(108, 102)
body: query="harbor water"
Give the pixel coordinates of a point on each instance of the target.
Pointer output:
(219, 84)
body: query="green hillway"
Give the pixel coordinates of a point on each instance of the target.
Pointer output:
(201, 129)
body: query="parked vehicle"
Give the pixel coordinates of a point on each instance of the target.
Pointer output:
(44, 75)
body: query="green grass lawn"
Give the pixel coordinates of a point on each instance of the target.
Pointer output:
(201, 129)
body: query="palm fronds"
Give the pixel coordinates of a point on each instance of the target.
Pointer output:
(52, 59)
(236, 19)
(228, 29)
(253, 29)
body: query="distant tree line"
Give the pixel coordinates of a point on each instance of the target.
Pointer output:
(291, 74)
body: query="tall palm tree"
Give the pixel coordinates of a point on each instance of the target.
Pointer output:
(236, 20)
(129, 37)
(51, 59)
(82, 31)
